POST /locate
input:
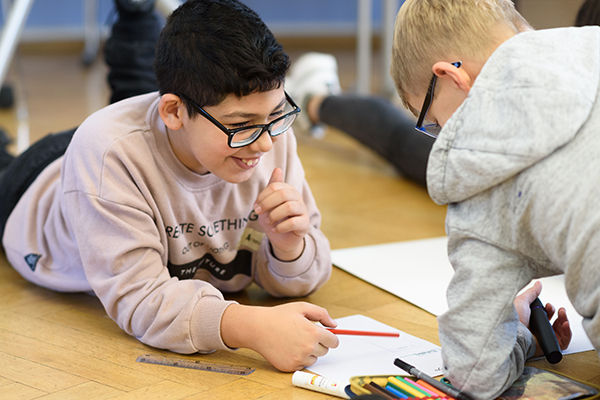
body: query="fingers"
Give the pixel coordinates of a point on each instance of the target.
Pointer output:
(275, 194)
(327, 341)
(281, 207)
(285, 214)
(315, 313)
(320, 350)
(562, 315)
(275, 183)
(319, 314)
(533, 292)
(566, 335)
(293, 340)
(550, 310)
(562, 329)
(563, 334)
(276, 176)
(312, 358)
(523, 302)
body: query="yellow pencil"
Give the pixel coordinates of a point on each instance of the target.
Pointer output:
(404, 386)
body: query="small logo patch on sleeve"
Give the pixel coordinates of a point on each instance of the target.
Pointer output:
(32, 259)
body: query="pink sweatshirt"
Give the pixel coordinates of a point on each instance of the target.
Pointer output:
(121, 216)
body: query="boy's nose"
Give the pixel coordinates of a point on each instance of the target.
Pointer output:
(264, 143)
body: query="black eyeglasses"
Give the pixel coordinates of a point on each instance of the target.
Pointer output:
(240, 137)
(424, 126)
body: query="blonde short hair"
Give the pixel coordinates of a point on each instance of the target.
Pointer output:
(428, 31)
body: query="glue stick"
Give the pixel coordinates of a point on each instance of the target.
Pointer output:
(319, 383)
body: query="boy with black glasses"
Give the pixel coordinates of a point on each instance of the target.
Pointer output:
(164, 200)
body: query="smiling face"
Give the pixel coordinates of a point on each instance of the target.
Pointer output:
(202, 147)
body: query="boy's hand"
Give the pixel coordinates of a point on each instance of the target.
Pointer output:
(283, 216)
(561, 326)
(285, 335)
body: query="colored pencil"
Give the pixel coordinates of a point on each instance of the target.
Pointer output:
(405, 387)
(376, 389)
(363, 333)
(417, 383)
(416, 387)
(431, 388)
(389, 383)
(397, 392)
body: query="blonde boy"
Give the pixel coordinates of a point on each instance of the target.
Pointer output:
(517, 160)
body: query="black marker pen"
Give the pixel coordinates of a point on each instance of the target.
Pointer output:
(542, 330)
(451, 391)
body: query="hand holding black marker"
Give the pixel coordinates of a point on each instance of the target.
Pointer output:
(540, 326)
(449, 390)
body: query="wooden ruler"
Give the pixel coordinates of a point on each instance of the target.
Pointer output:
(201, 365)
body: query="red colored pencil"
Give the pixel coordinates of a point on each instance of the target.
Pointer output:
(362, 333)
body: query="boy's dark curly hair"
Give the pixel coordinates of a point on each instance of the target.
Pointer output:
(212, 48)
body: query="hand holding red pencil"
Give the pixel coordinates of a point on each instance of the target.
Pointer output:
(285, 335)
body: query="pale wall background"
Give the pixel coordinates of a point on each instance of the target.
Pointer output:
(62, 20)
(549, 13)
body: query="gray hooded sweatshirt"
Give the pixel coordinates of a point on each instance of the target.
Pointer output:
(519, 166)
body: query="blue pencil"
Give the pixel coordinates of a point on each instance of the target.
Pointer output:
(396, 392)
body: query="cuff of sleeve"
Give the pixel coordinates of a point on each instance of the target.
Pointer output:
(205, 324)
(294, 268)
(526, 341)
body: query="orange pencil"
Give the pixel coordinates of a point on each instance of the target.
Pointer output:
(431, 388)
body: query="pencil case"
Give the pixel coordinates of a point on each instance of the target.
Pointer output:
(534, 383)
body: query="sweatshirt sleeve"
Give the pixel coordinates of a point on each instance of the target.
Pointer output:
(312, 269)
(124, 262)
(484, 346)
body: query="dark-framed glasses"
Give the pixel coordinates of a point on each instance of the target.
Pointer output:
(423, 125)
(244, 136)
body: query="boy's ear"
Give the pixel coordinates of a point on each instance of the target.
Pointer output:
(458, 76)
(171, 109)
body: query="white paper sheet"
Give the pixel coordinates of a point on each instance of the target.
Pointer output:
(419, 272)
(371, 355)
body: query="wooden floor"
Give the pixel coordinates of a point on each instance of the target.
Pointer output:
(63, 346)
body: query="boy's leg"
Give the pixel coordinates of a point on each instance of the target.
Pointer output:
(375, 122)
(378, 124)
(129, 52)
(5, 157)
(23, 170)
(313, 74)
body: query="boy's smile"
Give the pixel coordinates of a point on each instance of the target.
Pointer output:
(202, 147)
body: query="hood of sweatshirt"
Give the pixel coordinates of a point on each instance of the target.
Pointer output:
(531, 97)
